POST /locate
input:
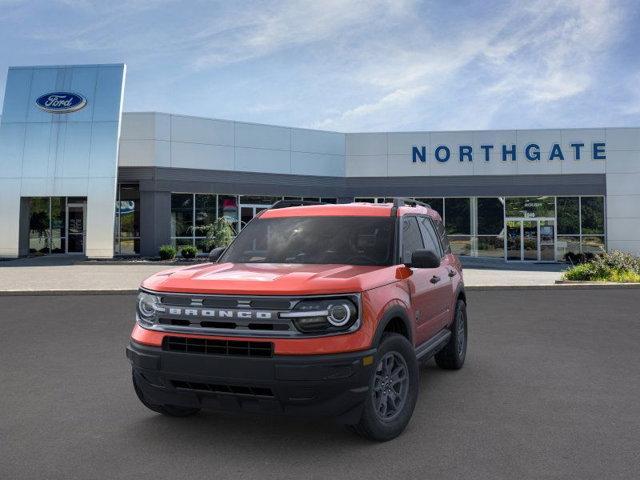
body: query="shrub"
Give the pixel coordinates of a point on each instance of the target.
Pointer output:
(188, 251)
(624, 277)
(218, 233)
(578, 258)
(167, 252)
(615, 266)
(583, 271)
(617, 260)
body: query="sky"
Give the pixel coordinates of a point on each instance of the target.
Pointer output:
(350, 65)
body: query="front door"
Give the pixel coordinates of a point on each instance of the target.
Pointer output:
(547, 229)
(425, 284)
(75, 227)
(530, 240)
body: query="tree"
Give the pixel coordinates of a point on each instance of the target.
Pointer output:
(218, 233)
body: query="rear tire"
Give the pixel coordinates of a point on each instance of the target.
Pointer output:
(169, 410)
(393, 390)
(452, 356)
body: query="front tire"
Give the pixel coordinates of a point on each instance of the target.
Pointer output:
(393, 390)
(452, 356)
(169, 410)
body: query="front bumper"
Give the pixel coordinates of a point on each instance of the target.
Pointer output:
(313, 385)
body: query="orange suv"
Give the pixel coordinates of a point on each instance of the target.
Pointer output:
(314, 310)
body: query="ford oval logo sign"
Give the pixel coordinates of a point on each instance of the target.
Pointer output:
(61, 102)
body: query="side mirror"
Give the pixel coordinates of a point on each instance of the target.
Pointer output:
(424, 259)
(214, 254)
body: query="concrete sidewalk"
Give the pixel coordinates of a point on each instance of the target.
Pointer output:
(66, 274)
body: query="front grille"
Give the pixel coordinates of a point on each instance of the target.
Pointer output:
(229, 389)
(218, 347)
(248, 316)
(276, 325)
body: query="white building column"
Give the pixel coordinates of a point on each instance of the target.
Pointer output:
(623, 189)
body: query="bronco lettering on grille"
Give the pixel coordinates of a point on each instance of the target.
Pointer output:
(219, 313)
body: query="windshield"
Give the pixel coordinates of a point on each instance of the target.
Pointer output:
(317, 240)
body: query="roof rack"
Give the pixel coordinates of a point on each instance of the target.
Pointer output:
(294, 203)
(402, 201)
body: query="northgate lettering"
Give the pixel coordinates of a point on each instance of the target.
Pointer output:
(531, 152)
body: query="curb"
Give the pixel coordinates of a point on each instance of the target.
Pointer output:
(469, 288)
(556, 286)
(168, 263)
(22, 293)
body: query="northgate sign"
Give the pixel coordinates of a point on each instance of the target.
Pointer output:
(531, 152)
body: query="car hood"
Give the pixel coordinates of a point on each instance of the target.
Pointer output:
(270, 279)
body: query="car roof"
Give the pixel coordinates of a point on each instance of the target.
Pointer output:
(355, 209)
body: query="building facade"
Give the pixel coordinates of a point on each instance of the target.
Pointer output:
(521, 195)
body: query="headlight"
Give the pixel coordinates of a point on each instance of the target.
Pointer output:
(148, 306)
(324, 315)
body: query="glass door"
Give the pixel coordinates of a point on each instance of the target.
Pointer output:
(75, 227)
(547, 240)
(531, 240)
(514, 240)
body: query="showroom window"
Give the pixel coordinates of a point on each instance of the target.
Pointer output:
(490, 218)
(47, 228)
(190, 211)
(127, 220)
(530, 207)
(436, 203)
(374, 199)
(457, 221)
(592, 219)
(581, 225)
(568, 225)
(57, 225)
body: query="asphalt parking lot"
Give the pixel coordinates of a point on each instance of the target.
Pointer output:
(551, 389)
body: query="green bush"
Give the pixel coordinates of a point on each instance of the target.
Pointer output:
(615, 266)
(617, 260)
(167, 252)
(188, 251)
(219, 233)
(582, 271)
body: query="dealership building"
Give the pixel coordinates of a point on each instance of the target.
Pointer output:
(79, 176)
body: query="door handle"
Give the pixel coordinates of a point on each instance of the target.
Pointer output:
(435, 279)
(452, 273)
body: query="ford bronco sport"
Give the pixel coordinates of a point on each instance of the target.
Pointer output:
(312, 309)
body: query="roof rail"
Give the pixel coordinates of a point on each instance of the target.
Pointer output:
(402, 201)
(294, 203)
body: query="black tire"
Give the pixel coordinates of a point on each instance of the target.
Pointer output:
(169, 410)
(383, 426)
(452, 356)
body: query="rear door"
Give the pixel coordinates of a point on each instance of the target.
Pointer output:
(424, 301)
(443, 286)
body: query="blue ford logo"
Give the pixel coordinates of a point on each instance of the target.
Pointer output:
(61, 102)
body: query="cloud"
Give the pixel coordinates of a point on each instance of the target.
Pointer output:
(343, 64)
(285, 25)
(539, 54)
(398, 98)
(551, 57)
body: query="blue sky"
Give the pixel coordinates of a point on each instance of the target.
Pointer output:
(350, 65)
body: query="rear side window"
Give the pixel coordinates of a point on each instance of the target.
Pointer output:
(431, 241)
(443, 236)
(411, 238)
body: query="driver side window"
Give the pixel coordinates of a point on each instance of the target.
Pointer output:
(411, 238)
